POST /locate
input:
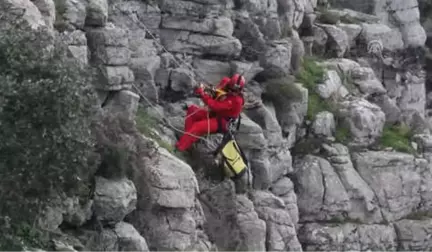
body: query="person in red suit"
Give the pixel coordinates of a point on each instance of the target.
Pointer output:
(222, 108)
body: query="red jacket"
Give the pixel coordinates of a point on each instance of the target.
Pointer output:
(231, 106)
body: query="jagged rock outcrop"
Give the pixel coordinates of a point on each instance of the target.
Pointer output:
(338, 195)
(401, 16)
(114, 200)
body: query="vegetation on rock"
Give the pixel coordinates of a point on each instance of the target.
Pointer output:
(397, 137)
(310, 75)
(147, 124)
(46, 147)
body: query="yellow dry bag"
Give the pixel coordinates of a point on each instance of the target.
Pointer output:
(234, 163)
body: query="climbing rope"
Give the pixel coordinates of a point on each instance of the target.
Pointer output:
(167, 122)
(179, 62)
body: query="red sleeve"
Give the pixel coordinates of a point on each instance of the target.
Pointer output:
(217, 105)
(224, 81)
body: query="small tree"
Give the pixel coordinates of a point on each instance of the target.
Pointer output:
(46, 106)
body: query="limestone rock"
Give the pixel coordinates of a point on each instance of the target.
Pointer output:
(364, 204)
(235, 214)
(284, 189)
(211, 70)
(109, 46)
(268, 122)
(280, 160)
(219, 26)
(124, 102)
(319, 40)
(352, 31)
(367, 82)
(249, 70)
(413, 93)
(338, 39)
(195, 8)
(113, 200)
(414, 234)
(324, 124)
(182, 80)
(348, 237)
(75, 12)
(103, 240)
(250, 135)
(199, 44)
(115, 77)
(129, 239)
(331, 86)
(276, 60)
(390, 38)
(109, 35)
(48, 10)
(389, 107)
(13, 11)
(167, 209)
(145, 71)
(281, 231)
(250, 36)
(321, 195)
(394, 178)
(365, 120)
(77, 44)
(171, 187)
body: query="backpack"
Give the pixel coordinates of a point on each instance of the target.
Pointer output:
(233, 161)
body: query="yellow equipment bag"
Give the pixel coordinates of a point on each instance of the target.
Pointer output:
(234, 163)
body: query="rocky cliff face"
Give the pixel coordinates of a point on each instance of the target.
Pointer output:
(340, 161)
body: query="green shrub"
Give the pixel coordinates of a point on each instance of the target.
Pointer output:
(397, 137)
(310, 75)
(147, 124)
(342, 134)
(46, 106)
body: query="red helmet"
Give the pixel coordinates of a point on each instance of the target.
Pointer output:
(235, 83)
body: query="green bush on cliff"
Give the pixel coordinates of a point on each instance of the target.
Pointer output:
(310, 75)
(46, 106)
(397, 137)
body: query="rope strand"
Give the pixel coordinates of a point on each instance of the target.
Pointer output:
(179, 62)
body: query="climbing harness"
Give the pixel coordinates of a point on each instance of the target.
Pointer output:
(179, 62)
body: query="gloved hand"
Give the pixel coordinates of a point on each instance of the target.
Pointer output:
(199, 91)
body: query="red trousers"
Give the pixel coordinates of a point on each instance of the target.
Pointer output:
(197, 123)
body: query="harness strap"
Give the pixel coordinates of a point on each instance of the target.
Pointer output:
(229, 120)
